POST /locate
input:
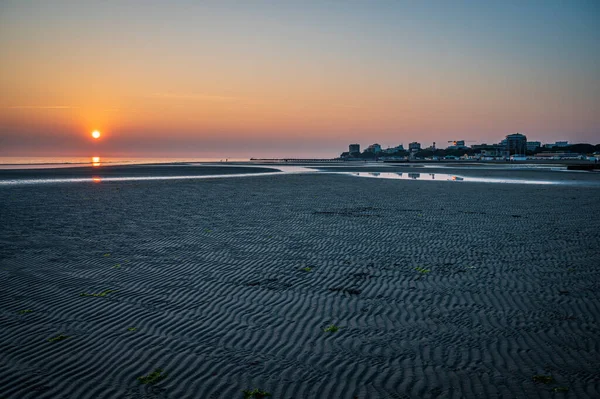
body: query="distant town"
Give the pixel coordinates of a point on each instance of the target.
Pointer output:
(514, 147)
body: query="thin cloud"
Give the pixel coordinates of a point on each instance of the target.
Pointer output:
(349, 106)
(193, 96)
(40, 107)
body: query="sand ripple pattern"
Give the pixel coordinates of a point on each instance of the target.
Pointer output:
(439, 291)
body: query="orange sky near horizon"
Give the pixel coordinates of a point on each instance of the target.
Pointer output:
(186, 85)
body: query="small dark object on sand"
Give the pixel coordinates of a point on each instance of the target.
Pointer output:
(153, 377)
(543, 379)
(59, 337)
(98, 295)
(255, 393)
(350, 291)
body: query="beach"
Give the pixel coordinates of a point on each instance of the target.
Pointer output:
(302, 285)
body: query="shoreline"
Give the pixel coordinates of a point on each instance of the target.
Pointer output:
(524, 174)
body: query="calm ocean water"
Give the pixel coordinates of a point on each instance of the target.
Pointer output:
(64, 162)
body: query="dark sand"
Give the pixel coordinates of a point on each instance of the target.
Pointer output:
(440, 289)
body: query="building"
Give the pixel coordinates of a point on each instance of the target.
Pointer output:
(533, 145)
(559, 144)
(393, 150)
(354, 149)
(559, 155)
(414, 146)
(457, 145)
(431, 147)
(516, 143)
(490, 150)
(374, 148)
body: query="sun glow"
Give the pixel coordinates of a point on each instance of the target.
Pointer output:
(96, 134)
(95, 161)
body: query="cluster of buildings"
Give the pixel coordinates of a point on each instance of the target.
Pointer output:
(514, 146)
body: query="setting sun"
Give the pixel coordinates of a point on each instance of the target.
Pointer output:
(96, 134)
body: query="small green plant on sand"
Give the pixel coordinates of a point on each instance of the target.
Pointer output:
(307, 269)
(153, 377)
(422, 270)
(106, 254)
(25, 311)
(59, 337)
(543, 379)
(100, 294)
(560, 389)
(255, 393)
(331, 328)
(117, 266)
(132, 329)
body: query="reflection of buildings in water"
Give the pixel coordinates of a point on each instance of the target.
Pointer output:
(414, 175)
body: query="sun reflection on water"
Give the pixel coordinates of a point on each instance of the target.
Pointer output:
(95, 161)
(96, 179)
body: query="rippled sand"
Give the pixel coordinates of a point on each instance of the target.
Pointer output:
(439, 290)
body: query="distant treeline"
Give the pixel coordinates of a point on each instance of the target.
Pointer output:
(575, 148)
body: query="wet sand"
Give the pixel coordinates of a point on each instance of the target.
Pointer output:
(439, 290)
(131, 171)
(523, 172)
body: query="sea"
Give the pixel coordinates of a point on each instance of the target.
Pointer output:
(68, 162)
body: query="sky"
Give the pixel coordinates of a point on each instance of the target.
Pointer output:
(293, 78)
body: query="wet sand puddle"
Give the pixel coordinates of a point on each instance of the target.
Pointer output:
(458, 178)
